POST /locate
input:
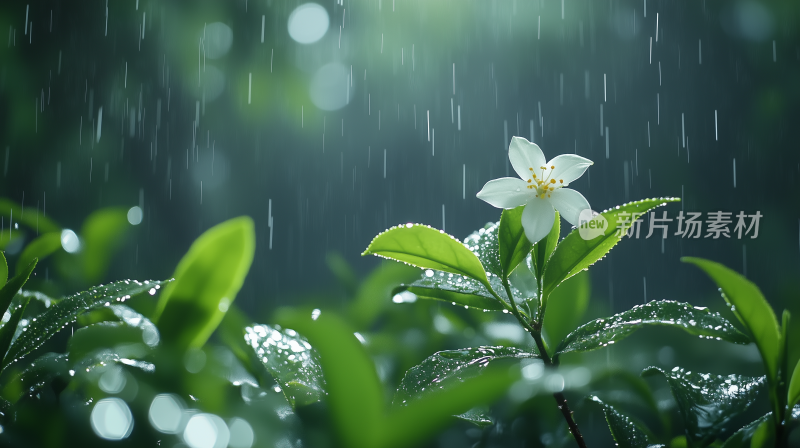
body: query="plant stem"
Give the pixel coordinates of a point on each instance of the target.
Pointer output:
(535, 331)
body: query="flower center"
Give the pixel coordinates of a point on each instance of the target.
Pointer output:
(544, 183)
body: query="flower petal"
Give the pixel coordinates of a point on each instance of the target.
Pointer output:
(568, 167)
(569, 204)
(537, 219)
(525, 155)
(506, 192)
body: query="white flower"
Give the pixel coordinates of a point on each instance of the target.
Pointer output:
(541, 189)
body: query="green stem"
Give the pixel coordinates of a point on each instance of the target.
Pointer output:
(535, 331)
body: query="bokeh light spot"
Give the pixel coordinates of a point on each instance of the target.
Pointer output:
(70, 241)
(135, 215)
(308, 23)
(111, 419)
(165, 413)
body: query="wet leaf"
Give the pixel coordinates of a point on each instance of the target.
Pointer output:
(694, 320)
(13, 286)
(9, 329)
(513, 244)
(742, 437)
(478, 416)
(456, 289)
(709, 402)
(435, 370)
(102, 336)
(428, 248)
(574, 254)
(291, 361)
(39, 249)
(750, 307)
(36, 376)
(355, 394)
(764, 435)
(207, 280)
(626, 432)
(66, 311)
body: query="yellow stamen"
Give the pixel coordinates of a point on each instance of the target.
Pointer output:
(552, 181)
(552, 167)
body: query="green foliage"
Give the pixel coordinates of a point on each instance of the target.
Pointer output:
(101, 235)
(370, 297)
(291, 360)
(206, 282)
(709, 402)
(460, 291)
(567, 306)
(742, 437)
(603, 332)
(575, 254)
(513, 245)
(443, 367)
(66, 311)
(3, 270)
(39, 249)
(428, 248)
(13, 286)
(794, 387)
(627, 432)
(10, 327)
(750, 307)
(543, 250)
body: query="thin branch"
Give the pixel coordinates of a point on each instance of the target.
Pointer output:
(567, 413)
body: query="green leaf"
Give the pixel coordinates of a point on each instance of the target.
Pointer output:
(456, 289)
(102, 234)
(355, 395)
(709, 402)
(33, 219)
(409, 425)
(543, 249)
(575, 254)
(36, 376)
(10, 328)
(566, 307)
(750, 307)
(3, 270)
(66, 311)
(437, 370)
(206, 282)
(764, 435)
(428, 248)
(374, 295)
(39, 249)
(291, 360)
(627, 432)
(478, 416)
(697, 321)
(460, 364)
(14, 285)
(513, 244)
(742, 437)
(794, 387)
(101, 336)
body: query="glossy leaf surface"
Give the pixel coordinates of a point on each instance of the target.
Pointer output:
(3, 270)
(290, 359)
(452, 365)
(66, 311)
(694, 320)
(513, 245)
(566, 307)
(794, 387)
(750, 307)
(427, 248)
(626, 432)
(207, 280)
(742, 437)
(14, 285)
(452, 288)
(574, 254)
(9, 328)
(709, 402)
